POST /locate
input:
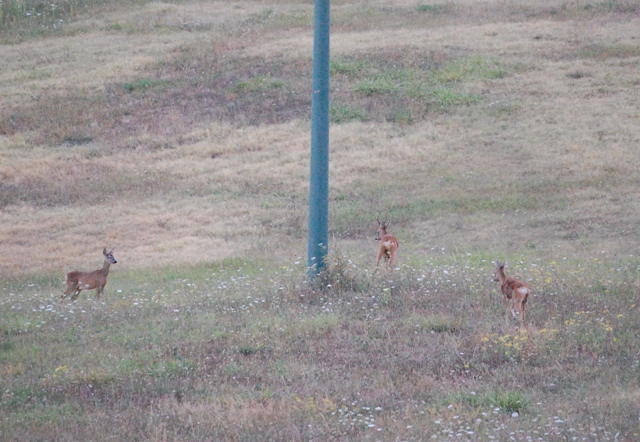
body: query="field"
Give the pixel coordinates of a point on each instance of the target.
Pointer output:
(179, 133)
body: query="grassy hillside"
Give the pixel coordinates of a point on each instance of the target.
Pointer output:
(179, 134)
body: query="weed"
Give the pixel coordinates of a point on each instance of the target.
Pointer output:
(143, 84)
(338, 275)
(343, 114)
(505, 348)
(349, 68)
(509, 401)
(376, 85)
(246, 350)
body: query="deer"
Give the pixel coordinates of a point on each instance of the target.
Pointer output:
(387, 244)
(78, 281)
(515, 293)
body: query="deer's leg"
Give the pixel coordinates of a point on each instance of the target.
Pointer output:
(392, 259)
(71, 286)
(521, 317)
(507, 308)
(522, 307)
(75, 295)
(380, 253)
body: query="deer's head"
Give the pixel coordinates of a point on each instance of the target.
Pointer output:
(382, 228)
(499, 270)
(109, 256)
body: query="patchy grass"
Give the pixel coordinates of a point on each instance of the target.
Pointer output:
(344, 114)
(142, 84)
(180, 93)
(259, 84)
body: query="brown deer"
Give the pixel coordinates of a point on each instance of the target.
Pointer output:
(388, 244)
(515, 293)
(78, 281)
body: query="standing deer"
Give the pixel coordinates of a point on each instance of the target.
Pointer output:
(78, 281)
(388, 244)
(515, 293)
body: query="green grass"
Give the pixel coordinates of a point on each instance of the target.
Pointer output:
(473, 67)
(445, 97)
(143, 84)
(344, 114)
(376, 85)
(350, 68)
(250, 345)
(508, 402)
(259, 84)
(439, 87)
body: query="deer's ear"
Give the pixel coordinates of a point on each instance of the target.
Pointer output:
(104, 251)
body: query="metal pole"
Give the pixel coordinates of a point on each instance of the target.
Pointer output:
(319, 179)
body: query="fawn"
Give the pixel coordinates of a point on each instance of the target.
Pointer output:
(78, 281)
(515, 293)
(388, 244)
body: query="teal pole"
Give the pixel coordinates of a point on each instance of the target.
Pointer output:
(319, 179)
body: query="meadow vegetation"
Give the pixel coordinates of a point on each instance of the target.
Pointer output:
(178, 133)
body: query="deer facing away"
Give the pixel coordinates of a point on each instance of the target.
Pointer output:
(78, 281)
(515, 293)
(387, 244)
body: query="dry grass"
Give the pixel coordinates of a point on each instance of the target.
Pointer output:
(150, 98)
(179, 134)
